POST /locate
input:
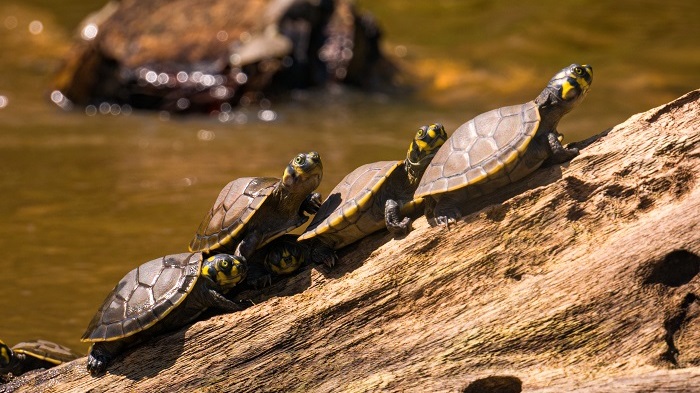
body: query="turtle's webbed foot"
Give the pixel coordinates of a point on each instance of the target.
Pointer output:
(391, 215)
(97, 363)
(326, 256)
(559, 152)
(312, 203)
(446, 217)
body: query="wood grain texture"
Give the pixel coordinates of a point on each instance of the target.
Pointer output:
(581, 277)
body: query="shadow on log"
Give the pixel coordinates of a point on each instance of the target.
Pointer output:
(582, 277)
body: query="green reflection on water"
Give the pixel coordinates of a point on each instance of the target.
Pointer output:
(85, 199)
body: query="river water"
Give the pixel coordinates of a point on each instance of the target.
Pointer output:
(85, 198)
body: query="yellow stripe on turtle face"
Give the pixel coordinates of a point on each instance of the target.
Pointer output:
(583, 83)
(421, 144)
(566, 87)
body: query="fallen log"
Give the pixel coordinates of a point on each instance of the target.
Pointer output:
(581, 277)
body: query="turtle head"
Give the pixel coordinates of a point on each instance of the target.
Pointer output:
(5, 355)
(284, 258)
(303, 173)
(569, 86)
(225, 270)
(423, 148)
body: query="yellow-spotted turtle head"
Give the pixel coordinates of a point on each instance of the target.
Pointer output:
(5, 355)
(303, 173)
(225, 270)
(284, 258)
(567, 88)
(423, 148)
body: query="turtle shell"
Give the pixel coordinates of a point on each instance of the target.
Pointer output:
(236, 204)
(346, 215)
(488, 145)
(46, 350)
(145, 296)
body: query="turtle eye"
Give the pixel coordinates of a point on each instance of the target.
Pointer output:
(578, 70)
(224, 264)
(299, 160)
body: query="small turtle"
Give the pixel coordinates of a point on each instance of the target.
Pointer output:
(502, 146)
(163, 294)
(251, 211)
(32, 355)
(372, 197)
(280, 257)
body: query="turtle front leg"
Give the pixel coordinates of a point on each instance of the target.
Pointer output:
(445, 212)
(218, 301)
(395, 224)
(322, 253)
(245, 250)
(559, 152)
(248, 245)
(311, 204)
(101, 355)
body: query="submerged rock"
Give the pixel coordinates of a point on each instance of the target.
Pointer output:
(209, 55)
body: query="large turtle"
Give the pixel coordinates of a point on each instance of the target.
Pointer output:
(32, 355)
(251, 211)
(502, 146)
(163, 294)
(207, 55)
(372, 197)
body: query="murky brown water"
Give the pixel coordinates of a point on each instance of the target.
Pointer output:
(84, 198)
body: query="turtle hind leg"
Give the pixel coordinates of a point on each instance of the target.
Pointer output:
(392, 214)
(101, 356)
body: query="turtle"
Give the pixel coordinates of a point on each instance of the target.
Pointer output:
(372, 197)
(501, 146)
(251, 211)
(32, 355)
(163, 294)
(280, 257)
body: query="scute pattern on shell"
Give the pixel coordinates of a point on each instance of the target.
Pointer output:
(145, 296)
(46, 350)
(345, 212)
(480, 148)
(235, 205)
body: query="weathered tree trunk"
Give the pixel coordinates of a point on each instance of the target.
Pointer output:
(582, 277)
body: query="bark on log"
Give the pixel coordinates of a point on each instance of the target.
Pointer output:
(582, 277)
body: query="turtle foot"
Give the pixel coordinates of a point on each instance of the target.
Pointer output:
(312, 203)
(447, 218)
(401, 228)
(325, 256)
(392, 214)
(97, 364)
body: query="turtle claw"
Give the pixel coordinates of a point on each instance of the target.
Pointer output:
(401, 228)
(326, 256)
(96, 364)
(444, 221)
